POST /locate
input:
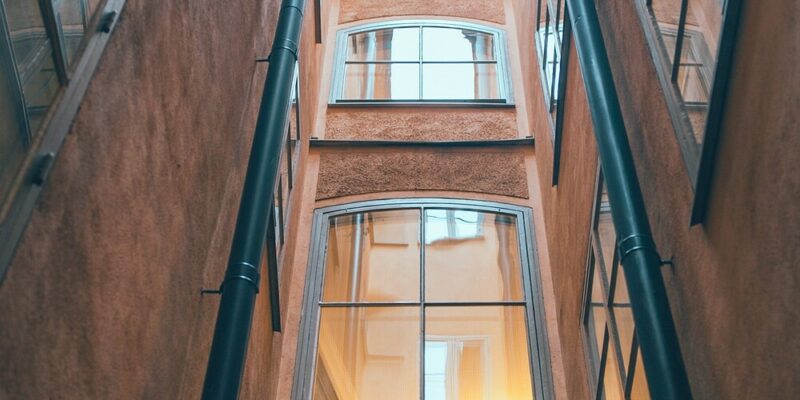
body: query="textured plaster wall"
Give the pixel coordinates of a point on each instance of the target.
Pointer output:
(434, 124)
(735, 285)
(487, 10)
(352, 172)
(102, 299)
(567, 206)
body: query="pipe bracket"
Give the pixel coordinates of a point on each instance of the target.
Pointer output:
(285, 44)
(635, 242)
(242, 270)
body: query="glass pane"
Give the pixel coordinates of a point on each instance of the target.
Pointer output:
(394, 44)
(612, 386)
(455, 44)
(606, 231)
(471, 256)
(476, 353)
(596, 320)
(33, 52)
(373, 256)
(72, 14)
(368, 353)
(13, 132)
(639, 391)
(381, 82)
(623, 315)
(461, 81)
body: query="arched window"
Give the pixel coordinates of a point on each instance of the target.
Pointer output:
(422, 299)
(420, 61)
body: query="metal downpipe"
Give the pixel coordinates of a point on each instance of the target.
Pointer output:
(229, 347)
(655, 329)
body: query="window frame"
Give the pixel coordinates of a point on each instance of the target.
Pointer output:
(538, 345)
(698, 160)
(595, 367)
(45, 143)
(555, 109)
(504, 83)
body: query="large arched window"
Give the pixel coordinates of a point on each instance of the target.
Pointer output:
(422, 299)
(420, 61)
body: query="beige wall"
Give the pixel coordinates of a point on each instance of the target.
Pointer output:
(102, 300)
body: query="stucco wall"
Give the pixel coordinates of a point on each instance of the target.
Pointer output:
(351, 172)
(433, 124)
(102, 299)
(487, 10)
(735, 285)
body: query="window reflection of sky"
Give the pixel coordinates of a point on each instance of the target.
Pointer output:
(451, 224)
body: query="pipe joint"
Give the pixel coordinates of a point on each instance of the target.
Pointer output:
(285, 44)
(634, 242)
(242, 270)
(296, 4)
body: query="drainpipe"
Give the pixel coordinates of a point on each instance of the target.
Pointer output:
(229, 347)
(655, 329)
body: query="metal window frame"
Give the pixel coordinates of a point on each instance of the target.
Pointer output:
(698, 160)
(21, 201)
(608, 279)
(506, 95)
(539, 358)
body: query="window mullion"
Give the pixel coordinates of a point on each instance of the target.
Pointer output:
(54, 32)
(422, 246)
(676, 60)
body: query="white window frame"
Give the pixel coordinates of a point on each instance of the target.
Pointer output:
(503, 77)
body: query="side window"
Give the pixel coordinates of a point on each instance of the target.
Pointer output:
(552, 48)
(613, 353)
(425, 301)
(420, 61)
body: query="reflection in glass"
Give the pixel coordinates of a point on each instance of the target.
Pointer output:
(606, 231)
(381, 82)
(640, 391)
(72, 15)
(471, 256)
(597, 316)
(612, 386)
(33, 53)
(393, 44)
(476, 353)
(373, 256)
(460, 81)
(449, 44)
(623, 315)
(368, 353)
(698, 50)
(13, 131)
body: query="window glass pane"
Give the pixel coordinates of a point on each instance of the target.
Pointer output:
(607, 234)
(454, 44)
(373, 256)
(381, 82)
(476, 353)
(13, 131)
(471, 256)
(34, 56)
(394, 44)
(596, 318)
(612, 386)
(73, 17)
(368, 353)
(640, 391)
(461, 81)
(623, 315)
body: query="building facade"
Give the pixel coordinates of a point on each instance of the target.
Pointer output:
(440, 227)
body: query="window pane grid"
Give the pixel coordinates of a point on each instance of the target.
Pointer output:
(473, 81)
(438, 349)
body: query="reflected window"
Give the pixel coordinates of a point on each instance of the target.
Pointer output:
(610, 334)
(420, 61)
(404, 317)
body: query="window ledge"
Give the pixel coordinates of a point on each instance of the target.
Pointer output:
(421, 104)
(450, 143)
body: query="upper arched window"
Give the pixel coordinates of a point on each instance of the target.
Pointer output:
(420, 61)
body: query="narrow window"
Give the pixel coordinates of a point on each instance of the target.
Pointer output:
(610, 336)
(420, 61)
(432, 301)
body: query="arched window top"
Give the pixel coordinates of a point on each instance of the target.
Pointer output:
(420, 61)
